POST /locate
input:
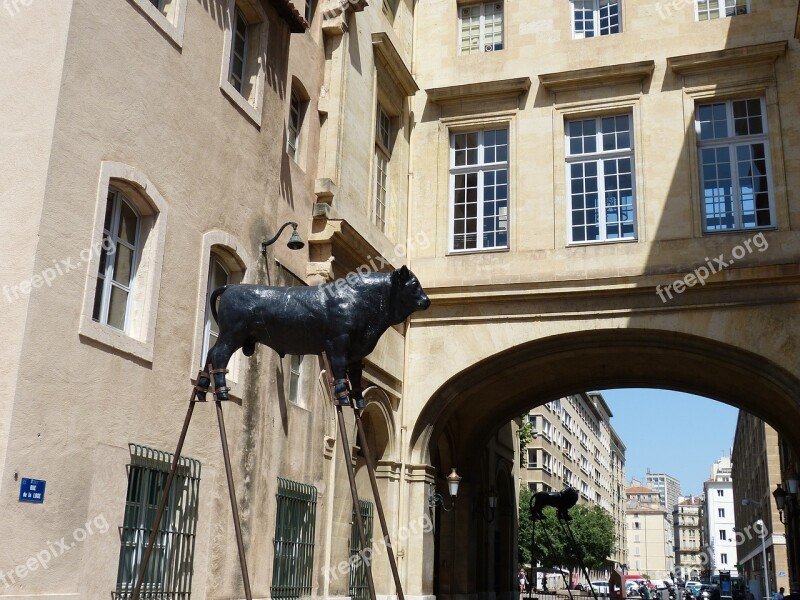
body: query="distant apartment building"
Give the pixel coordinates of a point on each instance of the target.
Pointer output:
(670, 490)
(649, 539)
(686, 518)
(756, 470)
(720, 542)
(574, 444)
(666, 485)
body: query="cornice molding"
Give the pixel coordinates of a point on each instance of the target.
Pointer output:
(469, 91)
(597, 76)
(334, 14)
(703, 62)
(387, 56)
(287, 11)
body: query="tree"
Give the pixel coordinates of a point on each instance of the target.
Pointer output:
(592, 528)
(525, 434)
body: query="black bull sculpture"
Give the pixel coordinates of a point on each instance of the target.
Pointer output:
(344, 319)
(562, 501)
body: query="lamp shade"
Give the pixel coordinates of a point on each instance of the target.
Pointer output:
(452, 482)
(780, 497)
(492, 499)
(295, 242)
(791, 480)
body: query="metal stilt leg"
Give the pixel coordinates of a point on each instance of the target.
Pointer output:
(362, 442)
(578, 554)
(234, 507)
(354, 493)
(550, 542)
(164, 496)
(348, 462)
(168, 485)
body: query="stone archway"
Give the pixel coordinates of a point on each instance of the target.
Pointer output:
(473, 404)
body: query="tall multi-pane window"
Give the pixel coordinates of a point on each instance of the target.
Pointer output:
(358, 588)
(239, 42)
(716, 9)
(118, 260)
(295, 521)
(600, 174)
(591, 18)
(383, 154)
(389, 8)
(480, 27)
(169, 570)
(309, 10)
(218, 275)
(479, 190)
(295, 376)
(296, 110)
(733, 151)
(531, 458)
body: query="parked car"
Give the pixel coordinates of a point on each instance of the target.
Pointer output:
(708, 591)
(600, 588)
(693, 586)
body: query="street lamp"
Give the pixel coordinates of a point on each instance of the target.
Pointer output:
(762, 525)
(780, 495)
(294, 243)
(492, 501)
(436, 499)
(764, 555)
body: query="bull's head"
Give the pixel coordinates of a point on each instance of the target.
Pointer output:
(408, 295)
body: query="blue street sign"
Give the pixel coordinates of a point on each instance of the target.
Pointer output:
(32, 490)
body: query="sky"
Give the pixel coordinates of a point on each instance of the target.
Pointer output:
(671, 432)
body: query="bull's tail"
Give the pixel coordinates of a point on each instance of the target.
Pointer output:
(213, 300)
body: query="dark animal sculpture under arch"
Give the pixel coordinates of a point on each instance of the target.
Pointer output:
(562, 501)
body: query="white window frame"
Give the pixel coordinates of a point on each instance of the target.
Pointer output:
(482, 45)
(249, 98)
(721, 11)
(111, 244)
(138, 338)
(296, 379)
(597, 29)
(597, 157)
(480, 168)
(168, 15)
(226, 248)
(382, 158)
(532, 464)
(295, 125)
(240, 31)
(732, 141)
(215, 260)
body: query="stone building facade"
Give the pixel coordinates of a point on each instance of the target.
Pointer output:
(687, 523)
(756, 471)
(575, 444)
(476, 142)
(720, 540)
(152, 146)
(650, 550)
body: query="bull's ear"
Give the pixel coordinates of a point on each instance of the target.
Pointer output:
(403, 272)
